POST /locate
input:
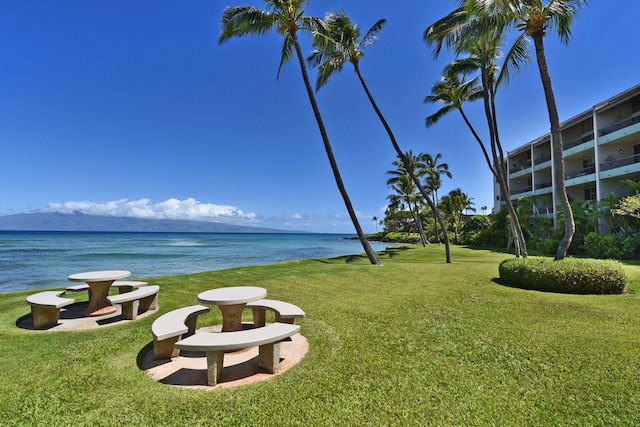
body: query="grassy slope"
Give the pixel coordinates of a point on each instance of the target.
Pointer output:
(414, 342)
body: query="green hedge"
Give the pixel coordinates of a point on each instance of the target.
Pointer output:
(571, 276)
(612, 246)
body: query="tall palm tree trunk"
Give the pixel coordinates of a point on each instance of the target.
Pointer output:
(557, 149)
(373, 258)
(435, 220)
(401, 155)
(477, 137)
(416, 219)
(498, 161)
(514, 226)
(515, 220)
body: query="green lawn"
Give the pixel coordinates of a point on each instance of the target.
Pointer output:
(414, 342)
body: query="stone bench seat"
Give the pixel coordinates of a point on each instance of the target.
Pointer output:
(122, 285)
(142, 299)
(214, 344)
(173, 326)
(45, 308)
(285, 312)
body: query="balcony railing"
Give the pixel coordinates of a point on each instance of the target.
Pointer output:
(542, 159)
(625, 161)
(520, 190)
(577, 141)
(522, 166)
(619, 125)
(544, 185)
(581, 172)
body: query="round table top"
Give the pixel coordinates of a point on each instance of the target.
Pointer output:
(100, 276)
(232, 295)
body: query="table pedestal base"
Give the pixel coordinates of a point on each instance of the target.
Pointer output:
(232, 317)
(99, 305)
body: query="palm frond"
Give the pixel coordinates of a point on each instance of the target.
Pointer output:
(311, 24)
(561, 15)
(435, 117)
(238, 21)
(463, 66)
(287, 52)
(326, 70)
(517, 56)
(372, 34)
(447, 31)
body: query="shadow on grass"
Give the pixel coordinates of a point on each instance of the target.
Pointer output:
(143, 352)
(500, 282)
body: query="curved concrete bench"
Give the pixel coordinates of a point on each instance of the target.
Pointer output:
(172, 326)
(122, 285)
(214, 344)
(143, 299)
(285, 312)
(45, 308)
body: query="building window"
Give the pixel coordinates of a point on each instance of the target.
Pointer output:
(590, 193)
(588, 166)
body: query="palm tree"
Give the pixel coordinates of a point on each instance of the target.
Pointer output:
(375, 221)
(534, 18)
(339, 42)
(454, 204)
(404, 188)
(435, 169)
(286, 17)
(468, 203)
(452, 92)
(484, 208)
(484, 49)
(433, 179)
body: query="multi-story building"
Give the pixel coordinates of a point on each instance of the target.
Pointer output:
(601, 149)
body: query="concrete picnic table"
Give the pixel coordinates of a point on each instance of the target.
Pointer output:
(232, 301)
(99, 283)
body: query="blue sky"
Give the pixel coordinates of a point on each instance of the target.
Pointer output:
(131, 108)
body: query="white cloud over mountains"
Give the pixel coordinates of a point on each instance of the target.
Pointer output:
(189, 209)
(194, 210)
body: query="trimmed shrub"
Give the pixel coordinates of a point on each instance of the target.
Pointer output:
(569, 276)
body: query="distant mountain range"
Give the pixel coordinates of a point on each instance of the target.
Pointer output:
(83, 222)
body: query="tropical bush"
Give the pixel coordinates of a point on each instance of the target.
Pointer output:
(471, 229)
(612, 246)
(571, 275)
(545, 245)
(495, 234)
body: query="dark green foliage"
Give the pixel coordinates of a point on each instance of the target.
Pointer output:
(476, 223)
(546, 245)
(612, 246)
(495, 234)
(470, 230)
(571, 276)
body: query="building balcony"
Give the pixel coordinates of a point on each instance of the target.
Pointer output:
(580, 172)
(629, 165)
(629, 121)
(520, 167)
(520, 190)
(578, 141)
(544, 185)
(542, 159)
(625, 161)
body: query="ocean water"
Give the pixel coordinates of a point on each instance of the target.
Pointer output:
(30, 260)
